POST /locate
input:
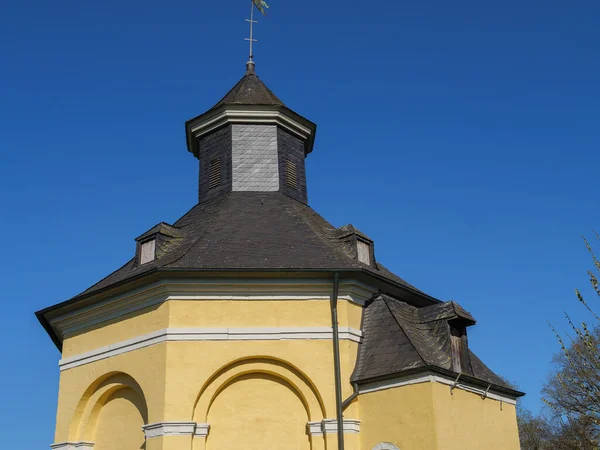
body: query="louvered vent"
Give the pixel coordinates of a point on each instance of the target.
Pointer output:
(291, 175)
(214, 174)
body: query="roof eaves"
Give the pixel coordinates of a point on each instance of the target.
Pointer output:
(435, 369)
(42, 314)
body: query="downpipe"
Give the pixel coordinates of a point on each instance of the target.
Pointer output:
(336, 362)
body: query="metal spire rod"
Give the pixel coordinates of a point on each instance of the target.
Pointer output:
(252, 22)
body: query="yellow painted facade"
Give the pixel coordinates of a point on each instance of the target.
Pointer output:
(427, 416)
(254, 393)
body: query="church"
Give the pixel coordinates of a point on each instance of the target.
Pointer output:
(252, 323)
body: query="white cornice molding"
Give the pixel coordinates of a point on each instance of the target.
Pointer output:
(209, 334)
(160, 429)
(430, 377)
(72, 446)
(255, 115)
(205, 290)
(329, 426)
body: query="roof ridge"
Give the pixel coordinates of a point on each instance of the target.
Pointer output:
(210, 221)
(328, 242)
(385, 297)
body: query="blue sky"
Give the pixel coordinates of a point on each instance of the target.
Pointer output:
(462, 137)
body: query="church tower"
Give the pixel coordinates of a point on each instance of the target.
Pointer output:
(252, 323)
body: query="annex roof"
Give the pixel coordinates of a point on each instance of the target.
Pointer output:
(399, 338)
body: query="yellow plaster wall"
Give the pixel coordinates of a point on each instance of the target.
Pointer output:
(465, 420)
(248, 313)
(426, 417)
(258, 411)
(211, 314)
(120, 422)
(172, 374)
(404, 416)
(126, 327)
(146, 366)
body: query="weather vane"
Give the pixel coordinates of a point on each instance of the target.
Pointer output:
(262, 7)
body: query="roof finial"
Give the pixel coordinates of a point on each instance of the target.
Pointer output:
(250, 63)
(261, 5)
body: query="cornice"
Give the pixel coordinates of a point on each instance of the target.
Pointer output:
(75, 319)
(250, 114)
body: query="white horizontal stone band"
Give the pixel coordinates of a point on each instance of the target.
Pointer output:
(159, 429)
(208, 334)
(329, 426)
(433, 378)
(72, 446)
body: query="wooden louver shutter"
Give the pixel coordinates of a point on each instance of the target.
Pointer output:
(214, 173)
(291, 175)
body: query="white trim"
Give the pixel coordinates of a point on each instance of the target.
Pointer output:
(208, 334)
(250, 116)
(430, 377)
(207, 290)
(329, 426)
(385, 446)
(72, 446)
(159, 429)
(202, 430)
(314, 428)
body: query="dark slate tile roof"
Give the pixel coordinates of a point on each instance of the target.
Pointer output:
(250, 90)
(251, 230)
(399, 338)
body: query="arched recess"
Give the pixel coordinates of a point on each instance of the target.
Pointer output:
(110, 388)
(295, 379)
(260, 402)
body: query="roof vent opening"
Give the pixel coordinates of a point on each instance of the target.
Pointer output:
(214, 173)
(291, 175)
(148, 251)
(363, 249)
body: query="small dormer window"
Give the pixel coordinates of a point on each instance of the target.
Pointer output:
(148, 251)
(364, 251)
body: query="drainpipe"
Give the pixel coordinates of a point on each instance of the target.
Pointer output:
(354, 394)
(336, 362)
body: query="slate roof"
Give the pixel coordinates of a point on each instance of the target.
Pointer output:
(250, 90)
(399, 338)
(251, 230)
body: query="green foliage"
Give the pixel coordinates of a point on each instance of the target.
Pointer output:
(571, 420)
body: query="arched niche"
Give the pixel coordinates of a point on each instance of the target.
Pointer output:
(258, 401)
(260, 364)
(112, 409)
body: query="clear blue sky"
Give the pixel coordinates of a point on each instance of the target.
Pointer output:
(462, 137)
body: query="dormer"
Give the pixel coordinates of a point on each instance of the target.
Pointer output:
(459, 344)
(156, 242)
(358, 244)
